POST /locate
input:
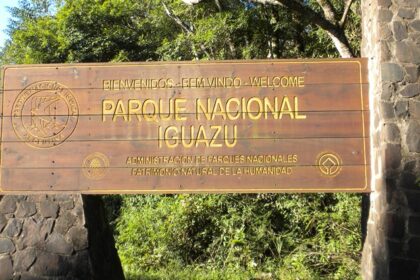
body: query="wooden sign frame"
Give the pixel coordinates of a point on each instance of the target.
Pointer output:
(186, 127)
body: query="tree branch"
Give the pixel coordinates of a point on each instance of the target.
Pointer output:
(328, 22)
(343, 19)
(189, 29)
(182, 24)
(303, 11)
(331, 27)
(219, 6)
(329, 12)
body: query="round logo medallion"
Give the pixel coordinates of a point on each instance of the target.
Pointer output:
(45, 114)
(329, 164)
(95, 166)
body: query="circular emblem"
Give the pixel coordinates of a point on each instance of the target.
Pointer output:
(329, 164)
(45, 114)
(95, 166)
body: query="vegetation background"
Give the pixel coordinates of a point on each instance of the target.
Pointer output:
(259, 236)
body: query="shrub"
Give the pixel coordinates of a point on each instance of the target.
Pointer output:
(297, 236)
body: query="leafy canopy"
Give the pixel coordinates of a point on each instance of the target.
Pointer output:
(47, 31)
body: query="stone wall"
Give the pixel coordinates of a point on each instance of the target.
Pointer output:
(391, 41)
(48, 237)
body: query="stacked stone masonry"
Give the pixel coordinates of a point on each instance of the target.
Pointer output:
(391, 41)
(46, 237)
(43, 237)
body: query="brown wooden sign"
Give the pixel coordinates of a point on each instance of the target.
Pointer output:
(235, 126)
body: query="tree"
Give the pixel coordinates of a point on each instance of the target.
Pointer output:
(44, 31)
(329, 20)
(33, 30)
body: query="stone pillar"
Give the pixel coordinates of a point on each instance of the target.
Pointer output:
(56, 237)
(391, 41)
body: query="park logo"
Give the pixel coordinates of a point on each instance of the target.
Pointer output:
(329, 164)
(95, 166)
(45, 114)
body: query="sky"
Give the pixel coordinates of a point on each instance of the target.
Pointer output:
(4, 18)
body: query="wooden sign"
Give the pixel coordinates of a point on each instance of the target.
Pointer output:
(235, 126)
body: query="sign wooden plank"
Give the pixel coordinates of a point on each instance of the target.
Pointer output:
(229, 126)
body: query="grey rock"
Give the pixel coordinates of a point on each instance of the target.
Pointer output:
(6, 268)
(385, 53)
(48, 209)
(79, 212)
(407, 3)
(392, 156)
(24, 259)
(407, 52)
(392, 72)
(25, 209)
(406, 13)
(401, 109)
(47, 227)
(9, 216)
(58, 245)
(67, 205)
(8, 204)
(384, 15)
(413, 202)
(63, 197)
(48, 264)
(410, 90)
(414, 225)
(413, 136)
(407, 180)
(392, 133)
(81, 268)
(38, 218)
(37, 198)
(412, 73)
(30, 276)
(413, 249)
(6, 246)
(3, 222)
(13, 228)
(409, 166)
(79, 238)
(403, 52)
(400, 268)
(387, 110)
(395, 198)
(34, 233)
(414, 108)
(65, 222)
(388, 90)
(395, 225)
(399, 30)
(415, 49)
(384, 3)
(20, 198)
(415, 38)
(386, 34)
(31, 234)
(415, 25)
(394, 247)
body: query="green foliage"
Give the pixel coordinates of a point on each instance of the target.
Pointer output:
(195, 273)
(45, 31)
(34, 34)
(280, 236)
